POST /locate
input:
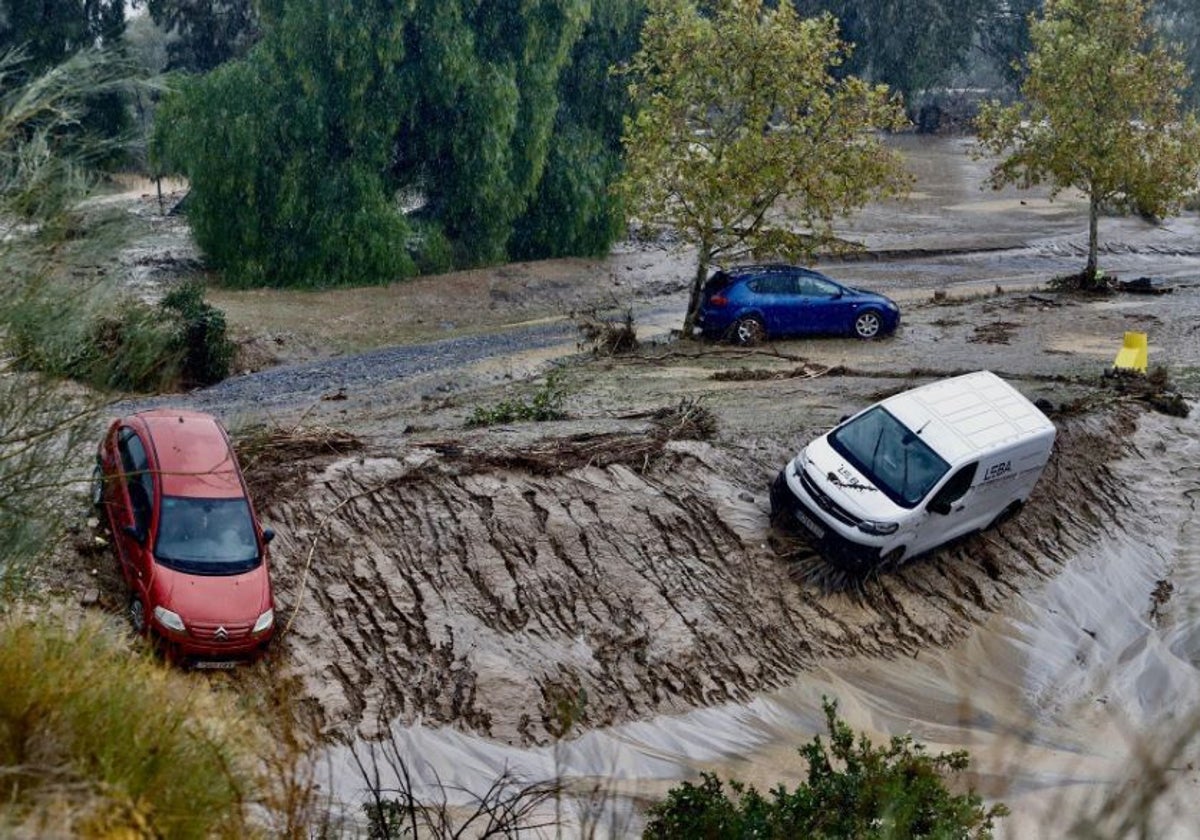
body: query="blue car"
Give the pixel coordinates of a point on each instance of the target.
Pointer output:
(750, 303)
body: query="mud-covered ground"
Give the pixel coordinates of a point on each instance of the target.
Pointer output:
(521, 579)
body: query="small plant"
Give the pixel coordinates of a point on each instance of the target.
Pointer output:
(546, 404)
(119, 343)
(854, 789)
(125, 346)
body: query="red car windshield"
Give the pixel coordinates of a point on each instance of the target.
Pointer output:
(206, 536)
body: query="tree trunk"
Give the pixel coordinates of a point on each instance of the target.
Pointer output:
(693, 310)
(1089, 273)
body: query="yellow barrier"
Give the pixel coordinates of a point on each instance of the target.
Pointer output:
(1134, 353)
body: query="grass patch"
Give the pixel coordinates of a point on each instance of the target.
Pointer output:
(96, 742)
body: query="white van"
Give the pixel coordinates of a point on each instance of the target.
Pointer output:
(916, 470)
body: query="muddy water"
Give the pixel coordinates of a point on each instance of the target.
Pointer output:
(1086, 682)
(453, 600)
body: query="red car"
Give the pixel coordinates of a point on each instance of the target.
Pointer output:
(186, 535)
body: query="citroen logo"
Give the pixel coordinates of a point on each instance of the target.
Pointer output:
(221, 634)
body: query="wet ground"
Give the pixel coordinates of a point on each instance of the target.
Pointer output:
(458, 589)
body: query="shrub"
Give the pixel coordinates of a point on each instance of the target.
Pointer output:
(120, 343)
(99, 743)
(207, 352)
(854, 789)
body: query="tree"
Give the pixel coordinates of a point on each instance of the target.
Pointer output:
(853, 789)
(744, 143)
(574, 211)
(1004, 36)
(41, 178)
(1179, 21)
(207, 33)
(909, 45)
(483, 80)
(1101, 113)
(287, 151)
(48, 32)
(302, 156)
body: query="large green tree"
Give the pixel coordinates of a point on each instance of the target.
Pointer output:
(287, 151)
(909, 45)
(205, 33)
(362, 141)
(483, 78)
(573, 210)
(744, 143)
(1101, 113)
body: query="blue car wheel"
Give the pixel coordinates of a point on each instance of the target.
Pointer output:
(747, 330)
(867, 324)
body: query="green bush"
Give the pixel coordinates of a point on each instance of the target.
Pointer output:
(96, 742)
(854, 789)
(207, 352)
(120, 343)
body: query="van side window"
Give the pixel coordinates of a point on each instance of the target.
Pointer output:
(957, 486)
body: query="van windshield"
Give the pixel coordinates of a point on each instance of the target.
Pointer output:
(889, 455)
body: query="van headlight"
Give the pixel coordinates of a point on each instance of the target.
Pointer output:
(878, 529)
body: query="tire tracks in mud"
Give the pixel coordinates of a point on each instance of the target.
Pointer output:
(481, 595)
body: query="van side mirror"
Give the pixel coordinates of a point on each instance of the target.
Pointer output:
(939, 506)
(268, 535)
(136, 533)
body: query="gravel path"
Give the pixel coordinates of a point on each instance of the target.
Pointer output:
(298, 385)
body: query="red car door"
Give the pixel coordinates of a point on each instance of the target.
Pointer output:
(134, 512)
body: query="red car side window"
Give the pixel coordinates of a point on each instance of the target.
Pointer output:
(137, 475)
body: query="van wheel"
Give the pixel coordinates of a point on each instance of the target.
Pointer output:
(1005, 515)
(892, 559)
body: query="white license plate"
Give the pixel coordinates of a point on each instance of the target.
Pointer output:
(813, 528)
(214, 665)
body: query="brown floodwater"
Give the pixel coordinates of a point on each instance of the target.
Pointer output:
(1082, 691)
(1082, 686)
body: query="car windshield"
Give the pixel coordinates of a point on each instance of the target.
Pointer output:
(206, 536)
(890, 455)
